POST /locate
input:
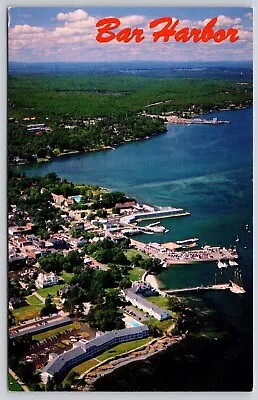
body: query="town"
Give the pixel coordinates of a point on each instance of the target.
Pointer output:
(78, 285)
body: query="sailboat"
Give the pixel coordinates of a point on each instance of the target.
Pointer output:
(232, 263)
(221, 264)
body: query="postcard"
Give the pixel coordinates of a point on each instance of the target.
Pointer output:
(130, 199)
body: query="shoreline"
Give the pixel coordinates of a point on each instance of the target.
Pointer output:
(153, 281)
(74, 152)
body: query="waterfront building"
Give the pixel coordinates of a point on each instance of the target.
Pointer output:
(139, 301)
(84, 350)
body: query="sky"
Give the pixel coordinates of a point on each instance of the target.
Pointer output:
(51, 34)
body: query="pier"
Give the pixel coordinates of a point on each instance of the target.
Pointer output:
(233, 287)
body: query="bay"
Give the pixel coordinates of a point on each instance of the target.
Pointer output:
(206, 169)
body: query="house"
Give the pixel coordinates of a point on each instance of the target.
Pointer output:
(68, 202)
(59, 243)
(18, 230)
(46, 280)
(58, 199)
(16, 302)
(17, 261)
(139, 301)
(144, 289)
(84, 350)
(127, 204)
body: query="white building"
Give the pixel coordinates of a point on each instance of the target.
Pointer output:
(84, 350)
(46, 280)
(145, 305)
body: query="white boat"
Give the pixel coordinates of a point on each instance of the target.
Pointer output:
(187, 241)
(237, 239)
(232, 263)
(221, 264)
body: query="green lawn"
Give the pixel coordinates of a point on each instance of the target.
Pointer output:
(13, 385)
(51, 290)
(27, 312)
(123, 348)
(53, 332)
(85, 366)
(67, 277)
(136, 273)
(130, 253)
(159, 301)
(33, 300)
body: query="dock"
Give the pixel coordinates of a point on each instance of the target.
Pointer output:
(233, 287)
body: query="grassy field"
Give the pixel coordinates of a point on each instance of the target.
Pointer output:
(85, 366)
(67, 277)
(159, 301)
(130, 253)
(162, 326)
(136, 273)
(33, 300)
(13, 385)
(28, 312)
(53, 332)
(51, 290)
(123, 348)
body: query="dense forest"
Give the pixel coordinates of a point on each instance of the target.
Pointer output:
(84, 113)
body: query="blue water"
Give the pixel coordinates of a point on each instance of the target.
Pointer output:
(134, 324)
(205, 169)
(77, 198)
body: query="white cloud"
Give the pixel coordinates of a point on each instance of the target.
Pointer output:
(223, 20)
(27, 29)
(77, 15)
(75, 39)
(248, 15)
(133, 20)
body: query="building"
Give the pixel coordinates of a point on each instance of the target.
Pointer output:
(19, 230)
(16, 302)
(46, 280)
(84, 350)
(145, 305)
(41, 326)
(126, 204)
(144, 289)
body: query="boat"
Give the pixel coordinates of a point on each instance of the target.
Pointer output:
(237, 239)
(187, 241)
(221, 264)
(166, 231)
(232, 263)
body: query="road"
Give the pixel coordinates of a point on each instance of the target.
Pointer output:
(25, 388)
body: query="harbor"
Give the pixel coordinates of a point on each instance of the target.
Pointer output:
(170, 257)
(174, 119)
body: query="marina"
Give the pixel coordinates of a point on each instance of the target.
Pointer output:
(173, 119)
